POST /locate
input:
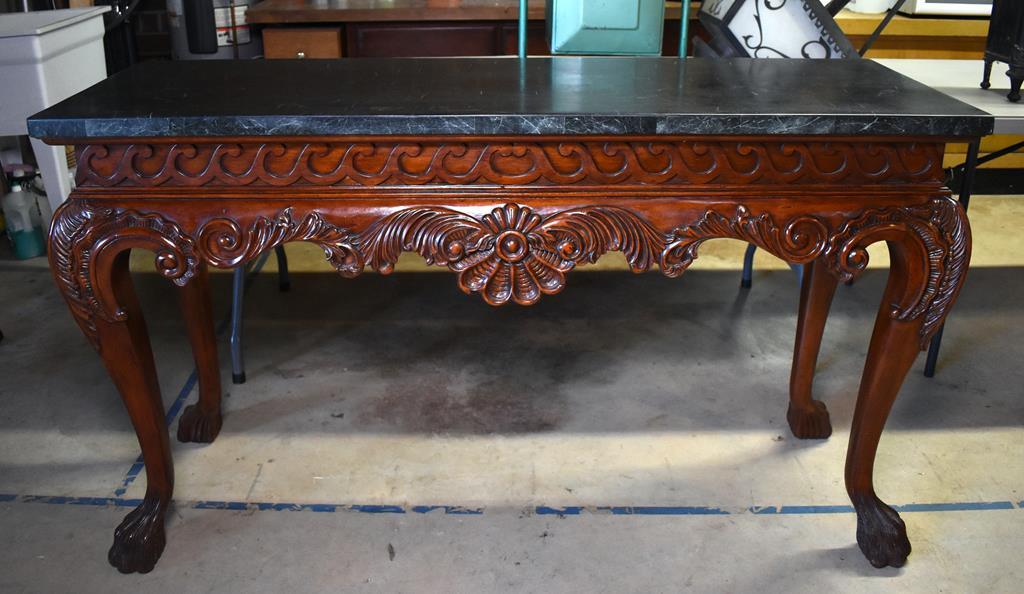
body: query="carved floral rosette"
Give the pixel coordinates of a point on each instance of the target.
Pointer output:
(511, 253)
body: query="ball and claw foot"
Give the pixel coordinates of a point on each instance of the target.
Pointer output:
(812, 423)
(881, 534)
(197, 426)
(139, 540)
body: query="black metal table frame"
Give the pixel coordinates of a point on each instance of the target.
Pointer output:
(970, 168)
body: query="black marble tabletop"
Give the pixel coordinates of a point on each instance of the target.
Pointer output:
(471, 96)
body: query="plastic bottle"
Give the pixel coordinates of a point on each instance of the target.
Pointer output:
(24, 224)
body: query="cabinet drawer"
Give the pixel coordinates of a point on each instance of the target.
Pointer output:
(400, 40)
(313, 42)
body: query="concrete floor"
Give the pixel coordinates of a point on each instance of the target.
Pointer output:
(628, 435)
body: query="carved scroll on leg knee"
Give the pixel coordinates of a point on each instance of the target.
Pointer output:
(89, 250)
(930, 250)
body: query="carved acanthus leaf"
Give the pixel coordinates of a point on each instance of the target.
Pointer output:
(439, 235)
(799, 240)
(225, 244)
(585, 234)
(85, 234)
(940, 226)
(510, 253)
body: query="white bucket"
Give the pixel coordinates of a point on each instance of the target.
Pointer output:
(870, 6)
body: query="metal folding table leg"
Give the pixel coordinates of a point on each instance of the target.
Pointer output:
(237, 299)
(747, 278)
(748, 267)
(284, 281)
(240, 283)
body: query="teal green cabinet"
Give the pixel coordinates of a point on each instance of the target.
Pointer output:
(605, 26)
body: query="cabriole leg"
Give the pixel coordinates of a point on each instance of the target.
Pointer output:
(930, 248)
(201, 422)
(89, 248)
(126, 352)
(881, 534)
(808, 418)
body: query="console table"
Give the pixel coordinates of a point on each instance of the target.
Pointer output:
(510, 174)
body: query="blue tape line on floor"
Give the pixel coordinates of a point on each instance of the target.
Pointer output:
(664, 511)
(379, 509)
(961, 506)
(296, 507)
(244, 506)
(815, 509)
(631, 510)
(190, 383)
(542, 510)
(172, 412)
(234, 505)
(453, 510)
(91, 501)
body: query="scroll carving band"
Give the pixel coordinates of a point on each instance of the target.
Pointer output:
(382, 163)
(512, 253)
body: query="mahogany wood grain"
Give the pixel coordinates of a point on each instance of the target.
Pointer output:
(808, 418)
(511, 218)
(201, 422)
(881, 534)
(128, 357)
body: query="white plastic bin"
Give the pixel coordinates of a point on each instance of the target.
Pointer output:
(45, 57)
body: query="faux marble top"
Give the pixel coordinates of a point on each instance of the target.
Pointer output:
(488, 96)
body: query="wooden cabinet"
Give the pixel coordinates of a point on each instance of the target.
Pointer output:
(302, 42)
(437, 39)
(406, 28)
